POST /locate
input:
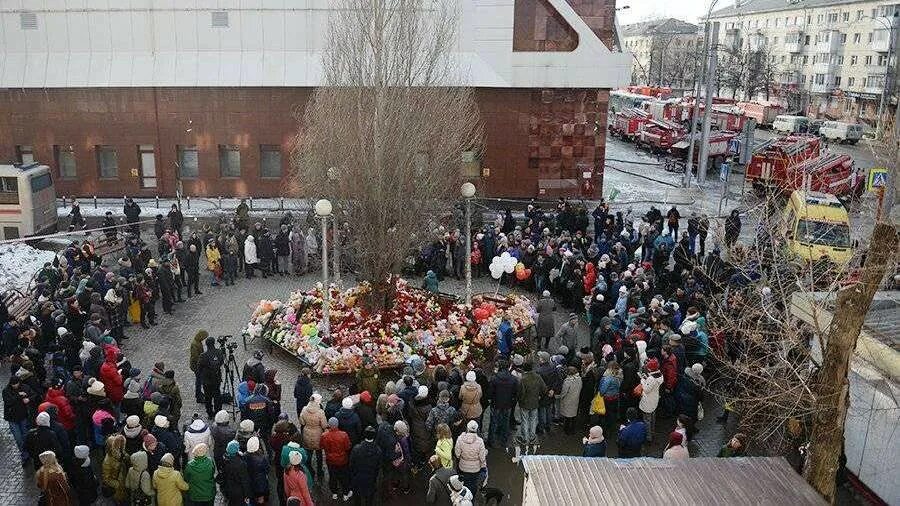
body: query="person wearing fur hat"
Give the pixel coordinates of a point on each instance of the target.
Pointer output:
(51, 480)
(349, 421)
(83, 475)
(258, 471)
(651, 384)
(42, 438)
(199, 473)
(197, 432)
(336, 444)
(312, 420)
(115, 469)
(235, 477)
(169, 483)
(222, 432)
(594, 443)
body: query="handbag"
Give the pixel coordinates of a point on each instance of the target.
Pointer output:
(598, 405)
(638, 390)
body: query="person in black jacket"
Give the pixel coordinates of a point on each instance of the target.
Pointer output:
(159, 226)
(283, 251)
(109, 227)
(254, 368)
(41, 438)
(258, 471)
(303, 389)
(176, 219)
(191, 268)
(166, 281)
(672, 218)
(209, 370)
(365, 463)
(19, 402)
(266, 253)
(82, 475)
(502, 392)
(548, 372)
(235, 482)
(132, 215)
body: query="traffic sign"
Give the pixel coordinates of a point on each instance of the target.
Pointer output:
(734, 146)
(723, 172)
(878, 178)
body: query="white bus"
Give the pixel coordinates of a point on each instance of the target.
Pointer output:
(27, 201)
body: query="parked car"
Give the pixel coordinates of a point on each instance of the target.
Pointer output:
(842, 132)
(790, 124)
(814, 126)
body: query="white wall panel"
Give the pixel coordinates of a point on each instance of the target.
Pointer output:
(35, 70)
(208, 37)
(273, 30)
(164, 69)
(163, 34)
(142, 68)
(121, 35)
(57, 31)
(57, 70)
(121, 69)
(142, 32)
(208, 68)
(78, 70)
(251, 68)
(186, 66)
(14, 70)
(186, 32)
(230, 68)
(230, 38)
(79, 32)
(294, 31)
(273, 68)
(251, 31)
(100, 31)
(100, 68)
(13, 35)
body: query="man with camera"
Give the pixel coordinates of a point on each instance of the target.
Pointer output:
(209, 372)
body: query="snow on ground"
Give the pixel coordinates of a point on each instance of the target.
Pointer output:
(18, 263)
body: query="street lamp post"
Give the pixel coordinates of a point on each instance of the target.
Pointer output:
(468, 191)
(323, 211)
(336, 239)
(879, 125)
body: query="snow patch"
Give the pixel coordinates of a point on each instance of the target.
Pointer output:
(18, 263)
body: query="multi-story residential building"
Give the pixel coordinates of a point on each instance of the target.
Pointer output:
(831, 58)
(666, 52)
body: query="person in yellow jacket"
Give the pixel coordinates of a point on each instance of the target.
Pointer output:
(214, 262)
(168, 483)
(115, 469)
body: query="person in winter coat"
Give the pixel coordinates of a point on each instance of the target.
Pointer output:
(199, 473)
(65, 414)
(336, 444)
(430, 282)
(651, 383)
(546, 320)
(196, 351)
(214, 262)
(471, 455)
(295, 482)
(736, 447)
(52, 481)
(168, 387)
(594, 444)
(422, 440)
(299, 253)
(442, 412)
(366, 410)
(403, 469)
(568, 399)
(531, 389)
(365, 464)
(503, 392)
(632, 436)
(115, 468)
(42, 438)
(169, 438)
(112, 380)
(196, 433)
(18, 406)
(138, 481)
(732, 227)
(221, 433)
(235, 477)
(258, 471)
(675, 450)
(470, 398)
(169, 483)
(251, 260)
(349, 421)
(254, 368)
(303, 389)
(155, 452)
(83, 476)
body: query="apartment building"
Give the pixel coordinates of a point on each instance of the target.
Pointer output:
(666, 52)
(832, 58)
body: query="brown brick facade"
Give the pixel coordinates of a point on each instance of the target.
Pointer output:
(533, 137)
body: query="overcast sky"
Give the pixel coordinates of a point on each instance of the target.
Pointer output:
(686, 10)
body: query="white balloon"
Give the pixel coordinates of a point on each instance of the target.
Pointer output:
(496, 272)
(504, 255)
(509, 267)
(495, 260)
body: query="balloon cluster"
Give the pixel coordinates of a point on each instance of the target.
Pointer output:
(484, 311)
(521, 272)
(309, 330)
(503, 263)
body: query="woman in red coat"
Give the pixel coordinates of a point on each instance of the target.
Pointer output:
(590, 277)
(295, 481)
(112, 380)
(65, 414)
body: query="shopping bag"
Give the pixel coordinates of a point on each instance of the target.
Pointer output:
(134, 311)
(598, 405)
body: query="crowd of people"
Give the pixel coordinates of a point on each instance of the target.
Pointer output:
(90, 423)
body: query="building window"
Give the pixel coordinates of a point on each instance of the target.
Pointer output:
(859, 14)
(188, 162)
(806, 41)
(856, 38)
(845, 16)
(230, 160)
(840, 60)
(843, 38)
(107, 162)
(776, 22)
(871, 36)
(806, 59)
(869, 60)
(775, 41)
(65, 161)
(854, 59)
(24, 154)
(819, 19)
(802, 78)
(837, 80)
(9, 192)
(851, 81)
(783, 58)
(882, 60)
(820, 79)
(809, 19)
(269, 161)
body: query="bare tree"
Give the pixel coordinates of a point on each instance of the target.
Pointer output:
(385, 133)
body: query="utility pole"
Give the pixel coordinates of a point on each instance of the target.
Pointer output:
(831, 388)
(710, 86)
(689, 166)
(890, 190)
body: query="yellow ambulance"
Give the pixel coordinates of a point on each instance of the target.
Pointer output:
(817, 227)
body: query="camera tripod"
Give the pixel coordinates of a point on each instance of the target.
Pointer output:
(232, 375)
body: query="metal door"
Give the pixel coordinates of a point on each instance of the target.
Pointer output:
(148, 166)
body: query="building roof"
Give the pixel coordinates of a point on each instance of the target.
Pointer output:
(659, 26)
(576, 481)
(755, 6)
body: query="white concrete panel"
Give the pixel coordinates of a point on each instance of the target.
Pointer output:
(494, 34)
(36, 40)
(13, 35)
(100, 31)
(294, 67)
(252, 4)
(142, 68)
(251, 68)
(101, 65)
(35, 71)
(294, 31)
(281, 4)
(57, 70)
(230, 38)
(141, 4)
(314, 72)
(251, 31)
(208, 68)
(76, 4)
(208, 38)
(186, 32)
(316, 30)
(54, 4)
(142, 32)
(121, 69)
(163, 32)
(186, 66)
(78, 70)
(163, 69)
(165, 4)
(230, 68)
(273, 30)
(79, 32)
(14, 70)
(273, 68)
(121, 35)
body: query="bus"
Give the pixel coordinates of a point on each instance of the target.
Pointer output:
(27, 201)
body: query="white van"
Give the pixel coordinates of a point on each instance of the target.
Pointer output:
(790, 124)
(842, 132)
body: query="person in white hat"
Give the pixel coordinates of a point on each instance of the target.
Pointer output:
(470, 398)
(471, 454)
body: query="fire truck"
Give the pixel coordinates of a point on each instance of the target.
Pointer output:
(627, 123)
(669, 110)
(772, 159)
(660, 135)
(763, 113)
(720, 147)
(827, 173)
(652, 91)
(725, 116)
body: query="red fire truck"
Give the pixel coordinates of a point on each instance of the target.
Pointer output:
(827, 173)
(771, 160)
(669, 110)
(660, 135)
(720, 144)
(627, 123)
(763, 113)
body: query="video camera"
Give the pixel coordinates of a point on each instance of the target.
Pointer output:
(224, 344)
